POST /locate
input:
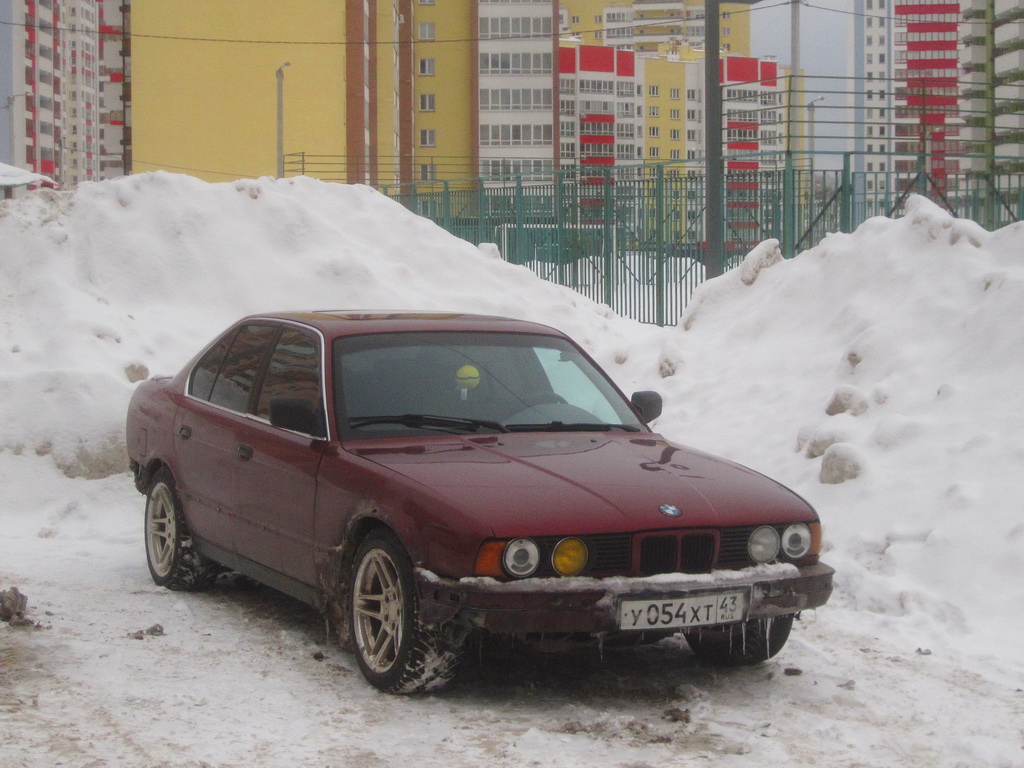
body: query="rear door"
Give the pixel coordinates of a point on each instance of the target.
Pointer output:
(211, 426)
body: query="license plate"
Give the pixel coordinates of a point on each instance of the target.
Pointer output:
(683, 612)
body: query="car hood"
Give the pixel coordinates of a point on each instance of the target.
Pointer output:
(561, 483)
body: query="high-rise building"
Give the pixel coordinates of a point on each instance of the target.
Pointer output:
(31, 87)
(993, 82)
(645, 25)
(54, 74)
(600, 106)
(938, 82)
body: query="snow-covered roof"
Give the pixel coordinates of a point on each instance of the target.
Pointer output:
(12, 176)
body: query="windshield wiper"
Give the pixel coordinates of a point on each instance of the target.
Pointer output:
(428, 421)
(558, 426)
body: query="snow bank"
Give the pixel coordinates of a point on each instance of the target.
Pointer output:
(117, 280)
(879, 374)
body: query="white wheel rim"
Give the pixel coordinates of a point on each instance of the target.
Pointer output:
(161, 529)
(379, 609)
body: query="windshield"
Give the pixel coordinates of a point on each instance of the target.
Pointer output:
(417, 383)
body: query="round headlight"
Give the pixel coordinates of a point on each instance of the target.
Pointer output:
(796, 541)
(521, 557)
(569, 557)
(763, 546)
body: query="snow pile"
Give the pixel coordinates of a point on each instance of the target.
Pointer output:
(877, 373)
(118, 280)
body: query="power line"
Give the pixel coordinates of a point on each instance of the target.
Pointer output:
(495, 38)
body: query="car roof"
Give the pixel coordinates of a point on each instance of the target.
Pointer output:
(333, 323)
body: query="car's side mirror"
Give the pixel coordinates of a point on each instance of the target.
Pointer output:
(296, 414)
(648, 404)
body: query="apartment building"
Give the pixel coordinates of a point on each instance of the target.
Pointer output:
(941, 80)
(515, 83)
(54, 70)
(993, 83)
(601, 99)
(645, 25)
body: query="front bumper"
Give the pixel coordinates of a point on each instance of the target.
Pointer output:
(592, 605)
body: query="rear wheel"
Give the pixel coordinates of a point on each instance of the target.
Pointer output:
(396, 652)
(172, 560)
(739, 645)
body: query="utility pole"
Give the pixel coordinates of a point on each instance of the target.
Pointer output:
(714, 257)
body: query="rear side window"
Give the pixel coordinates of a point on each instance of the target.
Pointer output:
(205, 372)
(238, 368)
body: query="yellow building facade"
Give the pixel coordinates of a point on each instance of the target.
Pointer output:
(388, 91)
(204, 86)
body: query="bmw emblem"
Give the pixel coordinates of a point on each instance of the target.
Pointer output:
(669, 510)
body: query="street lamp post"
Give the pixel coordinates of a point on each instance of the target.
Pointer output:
(810, 127)
(280, 119)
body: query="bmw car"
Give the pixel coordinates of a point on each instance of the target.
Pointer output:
(424, 478)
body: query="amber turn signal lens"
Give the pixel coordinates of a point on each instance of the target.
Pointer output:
(569, 557)
(488, 559)
(815, 539)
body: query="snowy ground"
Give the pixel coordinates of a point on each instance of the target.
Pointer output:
(889, 358)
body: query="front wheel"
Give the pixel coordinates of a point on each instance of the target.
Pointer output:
(172, 560)
(740, 645)
(396, 652)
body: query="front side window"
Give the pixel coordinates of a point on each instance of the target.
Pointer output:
(409, 383)
(291, 394)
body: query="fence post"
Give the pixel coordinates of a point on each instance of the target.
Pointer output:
(846, 196)
(446, 207)
(659, 253)
(482, 215)
(520, 221)
(609, 237)
(560, 218)
(789, 208)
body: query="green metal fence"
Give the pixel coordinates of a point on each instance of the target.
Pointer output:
(633, 237)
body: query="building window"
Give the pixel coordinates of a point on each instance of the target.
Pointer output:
(428, 172)
(653, 152)
(653, 90)
(653, 112)
(674, 134)
(674, 114)
(674, 93)
(427, 102)
(426, 66)
(426, 2)
(653, 132)
(427, 30)
(674, 154)
(428, 137)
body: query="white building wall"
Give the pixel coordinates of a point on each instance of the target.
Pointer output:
(517, 66)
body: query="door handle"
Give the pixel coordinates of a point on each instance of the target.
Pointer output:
(185, 431)
(245, 451)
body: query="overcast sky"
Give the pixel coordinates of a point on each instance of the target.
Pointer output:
(823, 32)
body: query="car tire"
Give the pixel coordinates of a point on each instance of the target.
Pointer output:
(395, 651)
(172, 560)
(740, 645)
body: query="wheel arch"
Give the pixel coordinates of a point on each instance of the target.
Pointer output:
(335, 576)
(145, 473)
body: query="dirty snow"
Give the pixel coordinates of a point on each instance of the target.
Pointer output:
(877, 374)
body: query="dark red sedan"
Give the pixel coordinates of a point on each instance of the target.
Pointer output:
(422, 477)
